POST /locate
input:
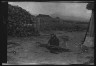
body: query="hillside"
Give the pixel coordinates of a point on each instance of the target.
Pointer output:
(18, 20)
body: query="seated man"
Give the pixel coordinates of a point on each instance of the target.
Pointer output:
(53, 41)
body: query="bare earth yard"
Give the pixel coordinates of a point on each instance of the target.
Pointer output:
(28, 50)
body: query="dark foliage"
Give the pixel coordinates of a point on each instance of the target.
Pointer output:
(18, 20)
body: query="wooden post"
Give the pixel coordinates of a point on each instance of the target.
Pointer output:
(91, 27)
(90, 38)
(90, 6)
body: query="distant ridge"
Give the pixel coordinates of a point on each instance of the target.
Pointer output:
(69, 18)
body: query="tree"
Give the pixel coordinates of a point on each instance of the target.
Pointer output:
(17, 18)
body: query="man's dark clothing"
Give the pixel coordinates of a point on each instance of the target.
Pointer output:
(54, 41)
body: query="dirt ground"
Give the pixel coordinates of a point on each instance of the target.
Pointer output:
(27, 49)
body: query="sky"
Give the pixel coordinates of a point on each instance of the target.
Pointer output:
(76, 11)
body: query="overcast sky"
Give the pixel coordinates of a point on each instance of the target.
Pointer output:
(65, 9)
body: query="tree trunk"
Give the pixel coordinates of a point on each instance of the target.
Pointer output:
(91, 27)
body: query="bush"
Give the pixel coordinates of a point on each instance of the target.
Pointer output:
(17, 18)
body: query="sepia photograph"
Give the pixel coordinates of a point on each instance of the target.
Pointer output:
(50, 33)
